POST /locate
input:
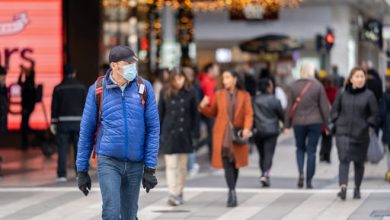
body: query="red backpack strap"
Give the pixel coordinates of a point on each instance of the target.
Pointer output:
(141, 90)
(99, 102)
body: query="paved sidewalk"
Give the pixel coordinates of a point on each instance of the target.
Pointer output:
(34, 194)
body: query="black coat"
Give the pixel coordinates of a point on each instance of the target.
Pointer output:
(385, 116)
(28, 91)
(3, 109)
(374, 83)
(68, 104)
(268, 113)
(178, 118)
(353, 112)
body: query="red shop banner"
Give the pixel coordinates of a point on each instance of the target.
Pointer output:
(31, 35)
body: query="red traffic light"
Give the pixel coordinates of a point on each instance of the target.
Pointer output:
(329, 38)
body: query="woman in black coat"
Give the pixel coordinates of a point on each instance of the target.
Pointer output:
(385, 123)
(353, 113)
(268, 113)
(178, 116)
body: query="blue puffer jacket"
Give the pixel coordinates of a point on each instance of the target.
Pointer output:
(128, 130)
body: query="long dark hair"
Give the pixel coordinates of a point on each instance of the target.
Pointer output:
(171, 89)
(235, 74)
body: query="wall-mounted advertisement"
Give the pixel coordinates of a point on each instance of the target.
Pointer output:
(31, 37)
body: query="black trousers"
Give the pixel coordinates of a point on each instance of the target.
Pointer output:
(326, 146)
(266, 148)
(25, 128)
(65, 136)
(209, 139)
(344, 173)
(231, 173)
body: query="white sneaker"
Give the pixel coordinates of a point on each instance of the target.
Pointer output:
(61, 180)
(173, 201)
(194, 170)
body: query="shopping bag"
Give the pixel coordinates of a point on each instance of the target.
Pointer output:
(376, 150)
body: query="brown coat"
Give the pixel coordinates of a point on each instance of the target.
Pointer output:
(243, 118)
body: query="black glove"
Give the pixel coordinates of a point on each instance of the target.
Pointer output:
(84, 182)
(149, 181)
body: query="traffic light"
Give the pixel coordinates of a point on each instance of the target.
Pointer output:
(329, 39)
(319, 42)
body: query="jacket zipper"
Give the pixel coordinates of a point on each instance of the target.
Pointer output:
(126, 147)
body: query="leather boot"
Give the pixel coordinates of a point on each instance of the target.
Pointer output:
(356, 193)
(343, 193)
(232, 199)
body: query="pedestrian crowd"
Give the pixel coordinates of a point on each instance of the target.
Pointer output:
(124, 121)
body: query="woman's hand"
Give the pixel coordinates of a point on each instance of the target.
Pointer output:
(205, 102)
(246, 134)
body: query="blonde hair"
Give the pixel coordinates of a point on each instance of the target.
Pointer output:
(307, 70)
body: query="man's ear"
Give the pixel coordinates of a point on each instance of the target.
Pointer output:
(113, 65)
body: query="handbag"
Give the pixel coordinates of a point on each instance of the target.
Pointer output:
(237, 135)
(294, 107)
(375, 151)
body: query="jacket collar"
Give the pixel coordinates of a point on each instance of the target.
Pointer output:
(109, 84)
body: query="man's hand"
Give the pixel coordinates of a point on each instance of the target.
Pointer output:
(84, 182)
(149, 180)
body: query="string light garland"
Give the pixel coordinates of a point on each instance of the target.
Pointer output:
(208, 5)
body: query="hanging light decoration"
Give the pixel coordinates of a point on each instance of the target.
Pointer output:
(219, 5)
(207, 5)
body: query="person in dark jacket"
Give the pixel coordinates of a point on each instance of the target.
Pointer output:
(66, 111)
(3, 102)
(268, 113)
(326, 140)
(311, 113)
(193, 166)
(353, 113)
(385, 123)
(373, 81)
(178, 116)
(27, 82)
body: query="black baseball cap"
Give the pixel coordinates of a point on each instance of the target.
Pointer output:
(122, 53)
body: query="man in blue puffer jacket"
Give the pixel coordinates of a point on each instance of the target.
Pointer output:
(127, 139)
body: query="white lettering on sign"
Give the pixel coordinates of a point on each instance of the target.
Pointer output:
(19, 22)
(254, 12)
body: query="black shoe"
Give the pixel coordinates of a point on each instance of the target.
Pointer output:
(356, 193)
(232, 199)
(322, 158)
(265, 181)
(300, 182)
(343, 193)
(309, 185)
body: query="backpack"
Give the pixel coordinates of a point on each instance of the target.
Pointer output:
(99, 102)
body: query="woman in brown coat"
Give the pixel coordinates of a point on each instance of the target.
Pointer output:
(232, 106)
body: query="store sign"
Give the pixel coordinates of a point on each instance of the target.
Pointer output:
(372, 32)
(31, 33)
(253, 13)
(13, 27)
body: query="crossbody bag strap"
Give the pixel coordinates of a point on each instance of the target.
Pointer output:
(298, 99)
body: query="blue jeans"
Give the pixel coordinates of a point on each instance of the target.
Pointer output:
(306, 138)
(119, 185)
